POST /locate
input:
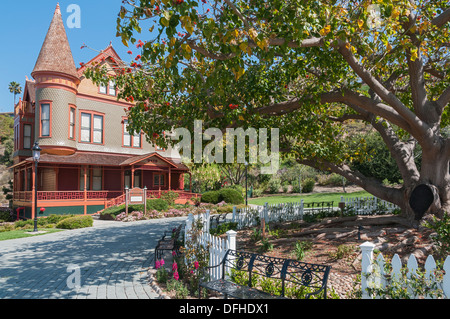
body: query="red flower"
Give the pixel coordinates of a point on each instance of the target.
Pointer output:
(129, 52)
(233, 106)
(42, 209)
(140, 44)
(155, 135)
(138, 57)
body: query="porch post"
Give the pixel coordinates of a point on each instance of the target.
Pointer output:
(170, 176)
(122, 179)
(132, 176)
(190, 182)
(85, 191)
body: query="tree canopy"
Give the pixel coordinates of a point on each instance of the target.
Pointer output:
(305, 67)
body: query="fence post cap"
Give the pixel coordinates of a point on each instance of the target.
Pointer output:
(367, 245)
(231, 232)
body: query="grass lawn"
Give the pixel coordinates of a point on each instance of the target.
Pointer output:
(25, 233)
(307, 198)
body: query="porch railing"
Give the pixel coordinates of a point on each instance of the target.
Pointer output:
(113, 198)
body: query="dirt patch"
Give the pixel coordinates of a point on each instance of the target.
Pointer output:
(335, 241)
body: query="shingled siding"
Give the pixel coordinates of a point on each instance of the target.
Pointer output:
(113, 115)
(59, 116)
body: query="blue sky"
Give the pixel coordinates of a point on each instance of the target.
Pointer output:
(23, 28)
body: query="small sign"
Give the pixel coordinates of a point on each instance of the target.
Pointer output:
(136, 196)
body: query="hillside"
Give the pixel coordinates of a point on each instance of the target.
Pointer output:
(6, 136)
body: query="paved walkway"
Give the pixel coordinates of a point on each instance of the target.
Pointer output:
(108, 261)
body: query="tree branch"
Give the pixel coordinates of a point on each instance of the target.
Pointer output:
(444, 99)
(416, 124)
(441, 19)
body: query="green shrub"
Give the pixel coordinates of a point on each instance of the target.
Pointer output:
(210, 197)
(274, 185)
(5, 215)
(158, 204)
(237, 187)
(76, 222)
(308, 185)
(230, 196)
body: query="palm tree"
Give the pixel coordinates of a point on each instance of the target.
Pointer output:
(15, 88)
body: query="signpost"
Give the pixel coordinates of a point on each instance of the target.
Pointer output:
(136, 196)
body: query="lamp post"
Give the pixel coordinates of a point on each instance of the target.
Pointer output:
(246, 191)
(36, 156)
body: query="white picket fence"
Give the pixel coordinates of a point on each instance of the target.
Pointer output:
(368, 205)
(216, 246)
(252, 216)
(373, 272)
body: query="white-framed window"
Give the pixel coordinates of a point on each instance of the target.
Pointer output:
(45, 119)
(91, 127)
(126, 135)
(85, 128)
(130, 140)
(98, 129)
(102, 88)
(112, 88)
(72, 123)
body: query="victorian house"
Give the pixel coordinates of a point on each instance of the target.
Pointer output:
(88, 157)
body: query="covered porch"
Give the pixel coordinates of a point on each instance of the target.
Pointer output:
(85, 183)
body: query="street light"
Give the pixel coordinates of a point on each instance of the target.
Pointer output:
(246, 191)
(36, 157)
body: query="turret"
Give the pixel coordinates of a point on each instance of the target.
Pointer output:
(56, 88)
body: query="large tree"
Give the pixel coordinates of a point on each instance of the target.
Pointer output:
(306, 67)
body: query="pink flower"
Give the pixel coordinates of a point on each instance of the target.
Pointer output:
(174, 253)
(157, 264)
(174, 266)
(176, 276)
(162, 262)
(196, 265)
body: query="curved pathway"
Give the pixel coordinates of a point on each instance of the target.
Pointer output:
(107, 261)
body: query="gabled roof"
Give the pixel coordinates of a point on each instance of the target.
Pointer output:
(29, 92)
(108, 54)
(140, 158)
(55, 54)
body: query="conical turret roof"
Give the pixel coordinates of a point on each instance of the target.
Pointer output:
(55, 55)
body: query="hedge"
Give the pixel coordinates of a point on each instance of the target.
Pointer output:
(75, 222)
(228, 195)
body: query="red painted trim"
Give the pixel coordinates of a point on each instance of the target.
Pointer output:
(103, 100)
(55, 86)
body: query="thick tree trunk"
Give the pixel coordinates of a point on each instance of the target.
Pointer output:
(431, 194)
